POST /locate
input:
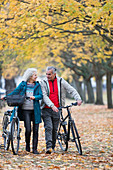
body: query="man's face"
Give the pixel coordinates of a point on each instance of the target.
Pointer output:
(50, 75)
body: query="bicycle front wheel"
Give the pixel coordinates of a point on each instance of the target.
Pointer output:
(62, 137)
(6, 132)
(76, 137)
(15, 136)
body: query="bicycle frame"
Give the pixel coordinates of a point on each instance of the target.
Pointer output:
(70, 121)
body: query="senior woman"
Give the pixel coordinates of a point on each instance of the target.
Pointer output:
(31, 107)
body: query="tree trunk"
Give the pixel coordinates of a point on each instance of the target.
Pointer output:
(89, 91)
(0, 87)
(10, 84)
(99, 94)
(84, 91)
(77, 85)
(79, 88)
(0, 81)
(109, 90)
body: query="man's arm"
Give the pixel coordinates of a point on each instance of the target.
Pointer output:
(72, 91)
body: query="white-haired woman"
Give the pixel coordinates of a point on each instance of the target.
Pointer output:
(31, 108)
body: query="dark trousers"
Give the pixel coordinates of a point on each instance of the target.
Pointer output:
(51, 122)
(28, 117)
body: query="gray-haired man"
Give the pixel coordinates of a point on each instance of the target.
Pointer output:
(53, 89)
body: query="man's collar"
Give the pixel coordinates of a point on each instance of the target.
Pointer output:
(54, 79)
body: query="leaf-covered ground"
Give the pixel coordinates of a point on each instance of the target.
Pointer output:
(95, 126)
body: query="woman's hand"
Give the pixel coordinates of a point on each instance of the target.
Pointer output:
(32, 97)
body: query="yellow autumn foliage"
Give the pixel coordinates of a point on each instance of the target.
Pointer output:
(33, 29)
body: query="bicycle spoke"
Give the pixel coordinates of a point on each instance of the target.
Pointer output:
(6, 134)
(62, 138)
(6, 141)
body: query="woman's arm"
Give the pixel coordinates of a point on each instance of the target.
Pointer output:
(39, 96)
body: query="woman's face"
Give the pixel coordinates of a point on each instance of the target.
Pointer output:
(33, 77)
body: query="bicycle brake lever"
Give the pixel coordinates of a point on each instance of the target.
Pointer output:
(60, 108)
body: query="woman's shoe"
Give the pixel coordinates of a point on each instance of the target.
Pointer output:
(35, 152)
(28, 147)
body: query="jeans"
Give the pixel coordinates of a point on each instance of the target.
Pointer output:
(28, 117)
(51, 121)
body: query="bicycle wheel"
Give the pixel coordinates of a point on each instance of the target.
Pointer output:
(6, 132)
(15, 136)
(76, 137)
(62, 137)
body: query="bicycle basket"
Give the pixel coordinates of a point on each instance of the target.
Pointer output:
(14, 99)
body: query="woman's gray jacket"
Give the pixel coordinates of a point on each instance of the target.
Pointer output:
(63, 86)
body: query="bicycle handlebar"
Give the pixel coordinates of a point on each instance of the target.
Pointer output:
(72, 104)
(27, 97)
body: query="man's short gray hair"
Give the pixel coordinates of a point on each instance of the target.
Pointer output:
(28, 73)
(52, 68)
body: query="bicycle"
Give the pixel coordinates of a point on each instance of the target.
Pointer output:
(68, 132)
(11, 130)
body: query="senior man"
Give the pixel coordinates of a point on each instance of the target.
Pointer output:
(53, 89)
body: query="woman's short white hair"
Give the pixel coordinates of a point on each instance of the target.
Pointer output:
(28, 73)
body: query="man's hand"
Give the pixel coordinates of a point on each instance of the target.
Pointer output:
(79, 102)
(2, 98)
(55, 109)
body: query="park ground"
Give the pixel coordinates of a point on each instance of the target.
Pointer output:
(95, 126)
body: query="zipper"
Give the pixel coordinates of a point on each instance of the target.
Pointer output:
(53, 85)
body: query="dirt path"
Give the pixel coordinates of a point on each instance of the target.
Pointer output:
(95, 126)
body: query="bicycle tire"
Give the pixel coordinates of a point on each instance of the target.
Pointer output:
(62, 137)
(6, 134)
(76, 137)
(15, 136)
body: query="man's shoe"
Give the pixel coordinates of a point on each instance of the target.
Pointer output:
(48, 151)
